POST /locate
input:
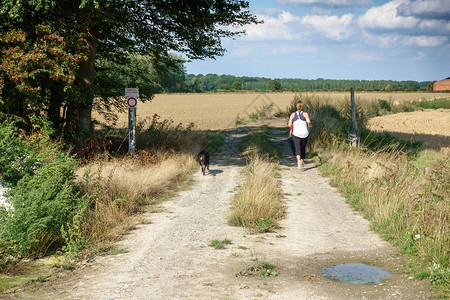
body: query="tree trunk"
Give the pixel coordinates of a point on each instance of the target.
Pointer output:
(82, 108)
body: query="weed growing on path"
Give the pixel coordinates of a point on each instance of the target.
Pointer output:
(217, 244)
(259, 268)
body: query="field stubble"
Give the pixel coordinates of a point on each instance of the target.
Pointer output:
(219, 111)
(431, 127)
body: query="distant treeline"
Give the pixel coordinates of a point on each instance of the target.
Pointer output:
(213, 82)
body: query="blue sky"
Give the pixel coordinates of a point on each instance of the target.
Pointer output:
(340, 39)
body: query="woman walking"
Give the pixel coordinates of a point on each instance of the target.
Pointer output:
(299, 123)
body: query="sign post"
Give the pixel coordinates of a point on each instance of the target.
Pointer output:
(132, 96)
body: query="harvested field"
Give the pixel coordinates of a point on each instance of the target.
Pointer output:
(219, 111)
(431, 127)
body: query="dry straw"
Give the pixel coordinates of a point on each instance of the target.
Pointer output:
(406, 204)
(121, 188)
(258, 204)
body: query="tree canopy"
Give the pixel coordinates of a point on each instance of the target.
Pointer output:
(211, 82)
(70, 51)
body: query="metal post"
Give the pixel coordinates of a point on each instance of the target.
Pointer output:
(131, 129)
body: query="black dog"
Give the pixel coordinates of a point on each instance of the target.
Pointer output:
(203, 159)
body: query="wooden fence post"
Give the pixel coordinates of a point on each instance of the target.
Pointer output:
(354, 134)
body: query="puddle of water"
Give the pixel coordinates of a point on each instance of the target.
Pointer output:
(356, 273)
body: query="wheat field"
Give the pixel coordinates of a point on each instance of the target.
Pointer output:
(219, 111)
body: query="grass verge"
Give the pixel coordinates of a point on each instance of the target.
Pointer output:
(122, 189)
(258, 205)
(402, 190)
(406, 204)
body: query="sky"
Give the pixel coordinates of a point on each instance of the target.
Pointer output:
(339, 39)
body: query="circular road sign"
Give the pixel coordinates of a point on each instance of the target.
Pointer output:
(131, 102)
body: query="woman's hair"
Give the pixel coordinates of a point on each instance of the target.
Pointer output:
(301, 104)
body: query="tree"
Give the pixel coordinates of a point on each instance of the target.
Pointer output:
(196, 88)
(113, 29)
(36, 73)
(273, 85)
(237, 85)
(223, 86)
(388, 88)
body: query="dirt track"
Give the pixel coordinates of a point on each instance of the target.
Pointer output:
(170, 257)
(432, 127)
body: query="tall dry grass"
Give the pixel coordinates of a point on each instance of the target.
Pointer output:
(407, 205)
(406, 202)
(402, 201)
(258, 204)
(404, 194)
(122, 188)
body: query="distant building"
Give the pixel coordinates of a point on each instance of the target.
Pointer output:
(442, 85)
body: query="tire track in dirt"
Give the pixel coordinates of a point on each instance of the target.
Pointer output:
(170, 258)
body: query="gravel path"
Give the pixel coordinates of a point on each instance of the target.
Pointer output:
(170, 257)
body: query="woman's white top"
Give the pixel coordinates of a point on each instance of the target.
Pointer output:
(300, 125)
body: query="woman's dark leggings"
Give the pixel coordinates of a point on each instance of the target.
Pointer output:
(300, 146)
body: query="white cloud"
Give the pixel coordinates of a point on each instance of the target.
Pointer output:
(320, 11)
(380, 40)
(279, 27)
(433, 9)
(365, 56)
(380, 26)
(328, 3)
(385, 17)
(435, 27)
(420, 56)
(424, 41)
(296, 49)
(332, 27)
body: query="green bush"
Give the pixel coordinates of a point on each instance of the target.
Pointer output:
(43, 203)
(433, 104)
(43, 194)
(388, 143)
(214, 140)
(17, 157)
(328, 124)
(384, 104)
(6, 248)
